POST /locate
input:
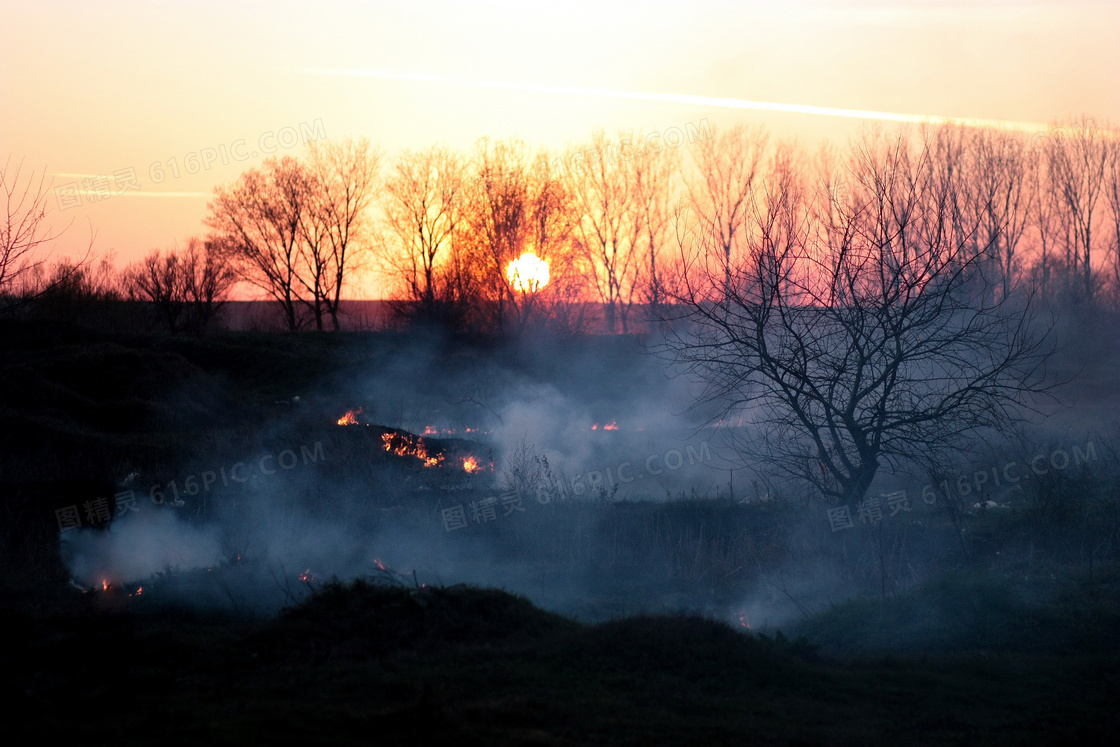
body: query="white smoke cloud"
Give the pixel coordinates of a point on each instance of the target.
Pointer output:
(137, 546)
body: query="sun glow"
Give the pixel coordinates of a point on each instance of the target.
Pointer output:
(528, 273)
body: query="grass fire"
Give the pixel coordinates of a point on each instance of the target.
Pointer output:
(617, 532)
(350, 417)
(482, 373)
(411, 446)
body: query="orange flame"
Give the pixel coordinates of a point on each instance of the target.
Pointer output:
(744, 621)
(471, 465)
(350, 418)
(407, 446)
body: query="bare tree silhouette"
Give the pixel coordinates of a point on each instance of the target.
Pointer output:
(424, 204)
(186, 288)
(24, 234)
(342, 176)
(852, 336)
(257, 222)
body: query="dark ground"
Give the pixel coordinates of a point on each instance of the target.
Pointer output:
(1019, 651)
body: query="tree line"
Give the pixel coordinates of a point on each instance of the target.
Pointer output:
(621, 226)
(859, 317)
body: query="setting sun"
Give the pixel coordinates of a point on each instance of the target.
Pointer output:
(528, 273)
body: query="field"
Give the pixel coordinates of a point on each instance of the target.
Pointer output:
(322, 593)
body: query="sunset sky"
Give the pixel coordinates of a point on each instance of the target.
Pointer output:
(100, 88)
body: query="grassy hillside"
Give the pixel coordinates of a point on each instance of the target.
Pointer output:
(367, 663)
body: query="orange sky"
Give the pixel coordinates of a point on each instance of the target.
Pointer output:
(99, 88)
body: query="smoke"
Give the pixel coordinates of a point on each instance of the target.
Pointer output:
(264, 533)
(138, 547)
(594, 538)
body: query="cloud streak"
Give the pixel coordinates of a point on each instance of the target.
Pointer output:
(681, 98)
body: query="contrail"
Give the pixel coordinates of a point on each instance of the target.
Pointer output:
(127, 193)
(682, 98)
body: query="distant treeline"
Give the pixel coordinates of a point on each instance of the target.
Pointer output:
(624, 223)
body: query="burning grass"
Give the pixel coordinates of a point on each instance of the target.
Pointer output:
(406, 445)
(351, 417)
(409, 445)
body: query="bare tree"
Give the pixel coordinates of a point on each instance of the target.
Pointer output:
(258, 223)
(724, 173)
(24, 234)
(1044, 224)
(342, 176)
(855, 342)
(157, 280)
(552, 223)
(1000, 169)
(1112, 190)
(186, 288)
(423, 208)
(23, 230)
(496, 219)
(209, 280)
(612, 227)
(1077, 167)
(653, 175)
(512, 206)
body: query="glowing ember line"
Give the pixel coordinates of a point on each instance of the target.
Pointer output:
(406, 446)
